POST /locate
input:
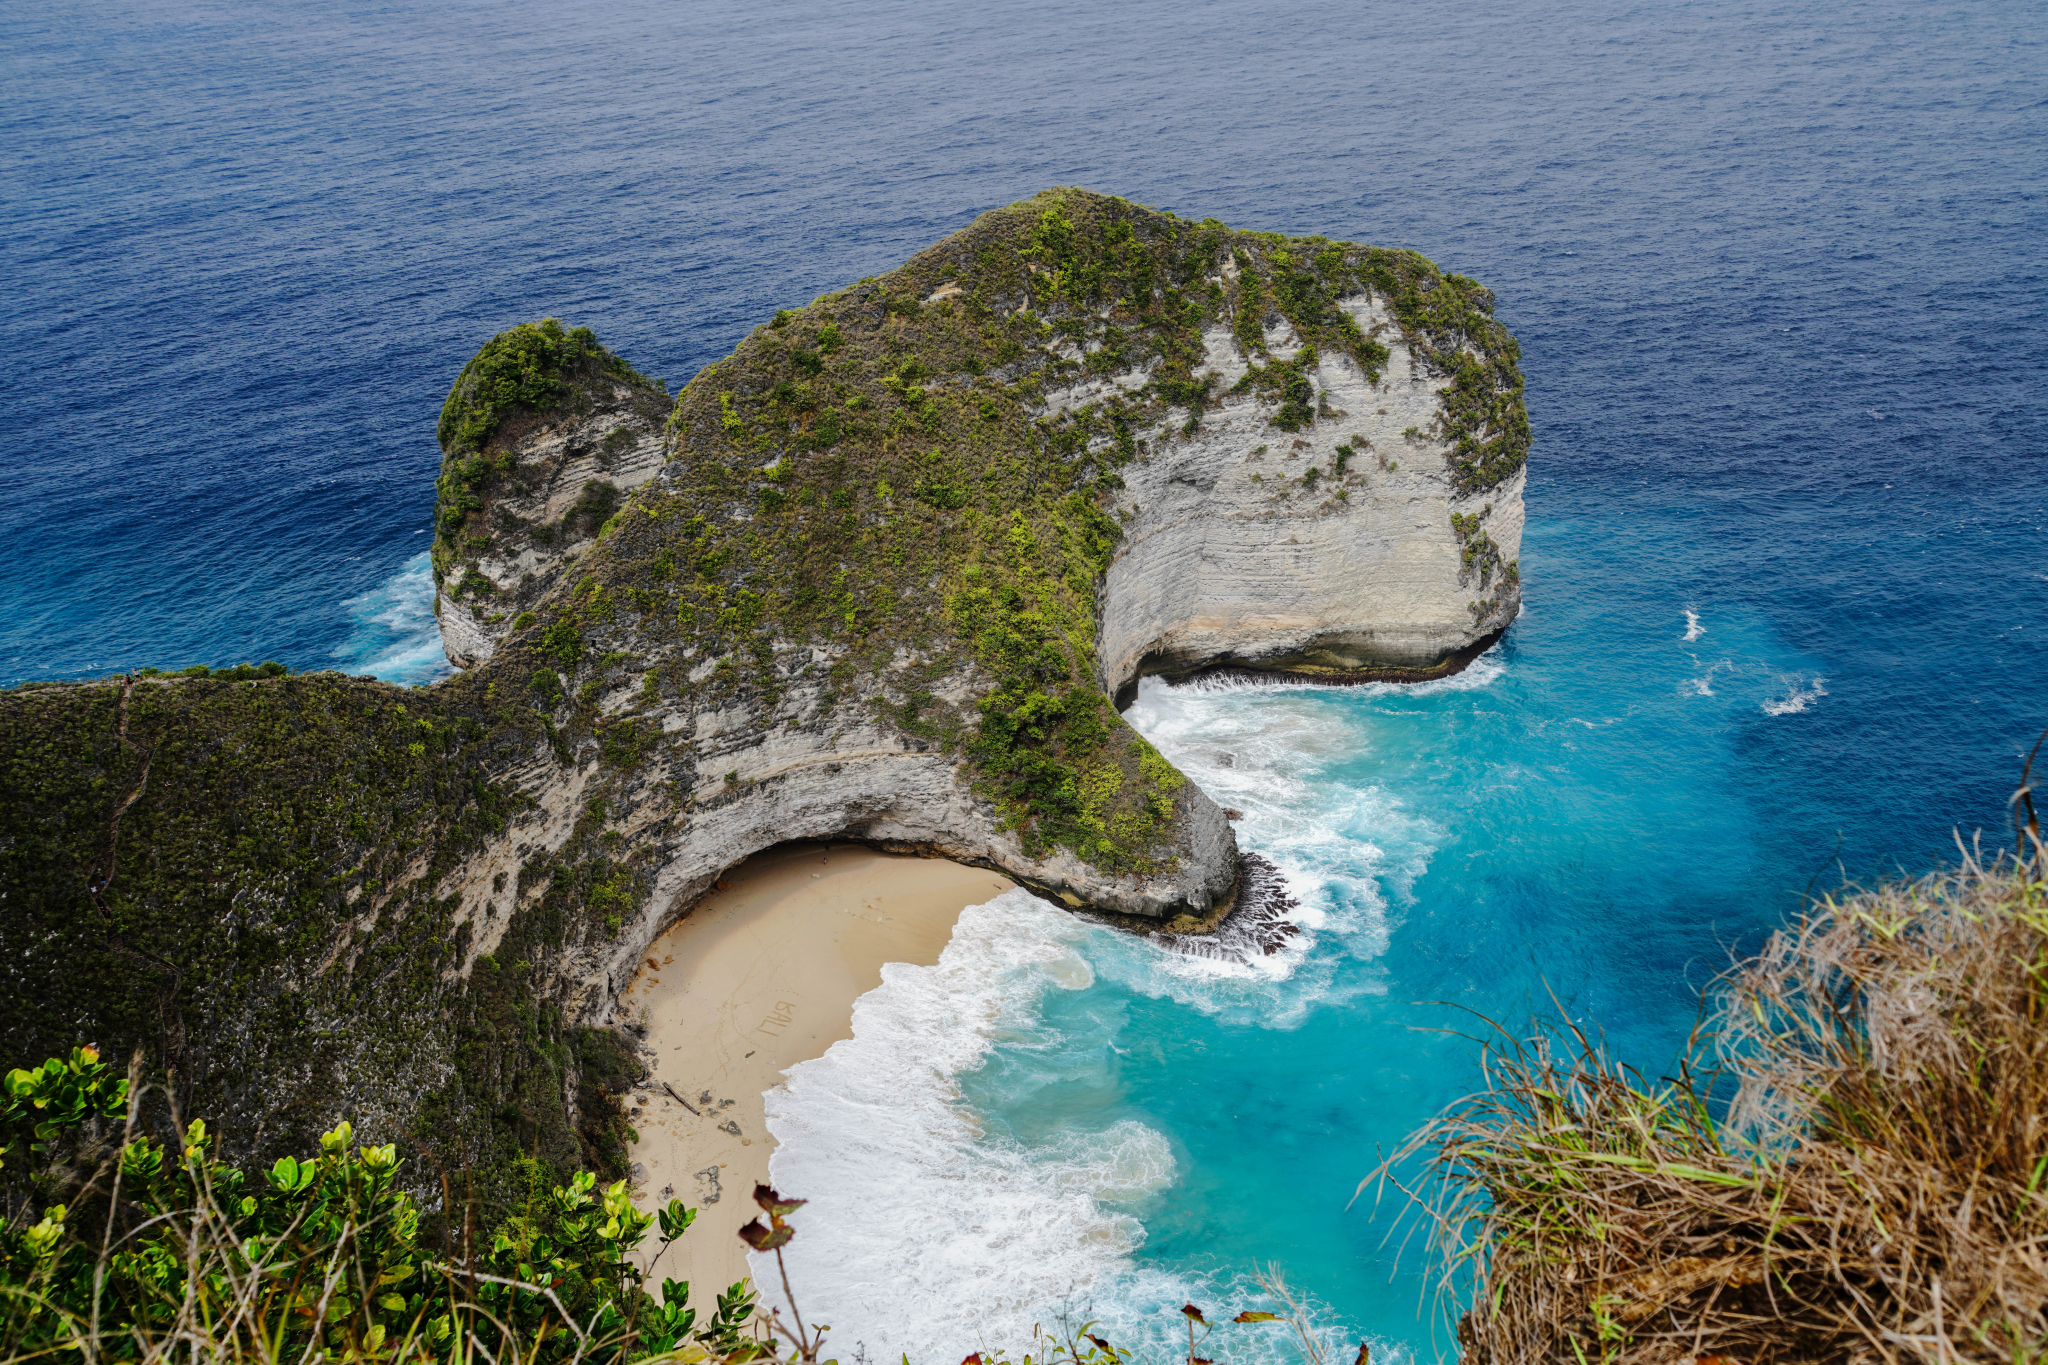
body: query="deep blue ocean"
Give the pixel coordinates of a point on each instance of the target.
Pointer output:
(1777, 273)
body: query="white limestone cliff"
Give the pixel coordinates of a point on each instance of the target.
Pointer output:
(1230, 557)
(570, 473)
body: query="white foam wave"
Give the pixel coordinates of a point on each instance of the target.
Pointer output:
(923, 1234)
(1703, 686)
(1797, 700)
(1693, 628)
(1144, 1319)
(394, 635)
(1272, 751)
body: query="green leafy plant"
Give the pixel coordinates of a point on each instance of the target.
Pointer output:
(161, 1252)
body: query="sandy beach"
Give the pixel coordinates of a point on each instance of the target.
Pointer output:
(761, 975)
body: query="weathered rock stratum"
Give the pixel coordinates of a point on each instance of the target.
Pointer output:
(879, 574)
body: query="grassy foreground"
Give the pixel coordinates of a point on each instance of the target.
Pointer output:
(1848, 1166)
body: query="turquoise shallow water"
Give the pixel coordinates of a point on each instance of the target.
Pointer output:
(1776, 273)
(1580, 815)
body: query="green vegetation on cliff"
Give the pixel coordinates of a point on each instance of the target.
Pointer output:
(302, 895)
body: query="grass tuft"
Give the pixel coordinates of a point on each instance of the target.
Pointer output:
(1848, 1166)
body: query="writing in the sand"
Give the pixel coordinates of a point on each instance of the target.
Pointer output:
(778, 1019)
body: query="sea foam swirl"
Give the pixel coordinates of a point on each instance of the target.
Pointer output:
(923, 1233)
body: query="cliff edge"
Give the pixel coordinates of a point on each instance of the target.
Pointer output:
(877, 575)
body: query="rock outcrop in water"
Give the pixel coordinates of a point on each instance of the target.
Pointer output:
(556, 473)
(879, 577)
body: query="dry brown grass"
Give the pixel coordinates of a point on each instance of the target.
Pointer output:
(1873, 1191)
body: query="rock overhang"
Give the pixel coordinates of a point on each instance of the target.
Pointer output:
(897, 553)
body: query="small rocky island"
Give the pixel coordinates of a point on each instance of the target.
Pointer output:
(883, 574)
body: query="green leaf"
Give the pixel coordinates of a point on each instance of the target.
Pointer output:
(675, 1219)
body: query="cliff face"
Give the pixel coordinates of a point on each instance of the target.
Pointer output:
(530, 487)
(878, 577)
(1338, 550)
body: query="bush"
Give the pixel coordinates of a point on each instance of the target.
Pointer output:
(157, 1251)
(561, 643)
(521, 367)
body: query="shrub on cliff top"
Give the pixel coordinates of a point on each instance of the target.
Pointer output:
(1874, 1191)
(519, 367)
(527, 368)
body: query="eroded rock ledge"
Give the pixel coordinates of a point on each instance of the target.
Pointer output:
(905, 543)
(877, 575)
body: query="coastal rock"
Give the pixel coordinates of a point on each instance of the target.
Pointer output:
(552, 479)
(876, 575)
(1332, 552)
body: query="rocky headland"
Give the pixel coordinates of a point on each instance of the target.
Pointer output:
(880, 575)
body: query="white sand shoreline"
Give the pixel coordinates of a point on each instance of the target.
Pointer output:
(761, 975)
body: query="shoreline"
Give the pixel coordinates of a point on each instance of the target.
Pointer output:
(760, 975)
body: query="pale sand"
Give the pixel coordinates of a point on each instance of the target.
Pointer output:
(758, 977)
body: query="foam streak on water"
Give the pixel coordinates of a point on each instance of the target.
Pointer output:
(393, 634)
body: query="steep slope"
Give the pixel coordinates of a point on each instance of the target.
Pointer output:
(897, 554)
(542, 436)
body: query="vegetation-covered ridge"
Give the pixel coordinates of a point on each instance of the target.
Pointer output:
(882, 475)
(243, 876)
